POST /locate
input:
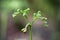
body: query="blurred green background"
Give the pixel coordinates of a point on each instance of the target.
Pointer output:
(49, 9)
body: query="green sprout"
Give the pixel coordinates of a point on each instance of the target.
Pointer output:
(25, 12)
(36, 16)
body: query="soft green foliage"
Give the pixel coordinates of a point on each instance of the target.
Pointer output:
(44, 19)
(36, 16)
(25, 12)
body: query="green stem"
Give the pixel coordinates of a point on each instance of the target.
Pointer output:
(31, 29)
(30, 32)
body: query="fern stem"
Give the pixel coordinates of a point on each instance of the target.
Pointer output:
(31, 29)
(31, 33)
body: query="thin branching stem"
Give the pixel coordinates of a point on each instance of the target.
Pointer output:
(31, 29)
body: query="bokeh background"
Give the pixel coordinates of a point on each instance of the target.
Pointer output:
(10, 28)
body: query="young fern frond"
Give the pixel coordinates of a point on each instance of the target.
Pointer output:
(36, 16)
